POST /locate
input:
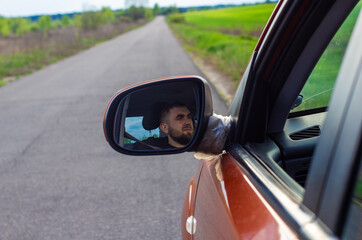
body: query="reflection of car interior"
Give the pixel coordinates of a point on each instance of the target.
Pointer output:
(151, 121)
(147, 104)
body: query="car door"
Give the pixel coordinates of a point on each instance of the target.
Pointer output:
(269, 185)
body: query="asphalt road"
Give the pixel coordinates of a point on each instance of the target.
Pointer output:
(59, 179)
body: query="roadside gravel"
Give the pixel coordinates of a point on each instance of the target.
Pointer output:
(222, 83)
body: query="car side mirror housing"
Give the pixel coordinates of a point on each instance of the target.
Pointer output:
(158, 117)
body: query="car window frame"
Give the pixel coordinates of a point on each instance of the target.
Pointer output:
(325, 194)
(321, 38)
(306, 62)
(263, 97)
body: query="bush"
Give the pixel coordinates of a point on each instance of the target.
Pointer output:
(124, 19)
(5, 29)
(148, 14)
(176, 18)
(89, 20)
(65, 21)
(105, 16)
(135, 12)
(45, 22)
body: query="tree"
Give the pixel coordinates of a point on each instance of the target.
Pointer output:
(135, 12)
(105, 16)
(65, 21)
(89, 20)
(135, 3)
(21, 26)
(5, 29)
(156, 10)
(170, 10)
(56, 24)
(148, 14)
(34, 27)
(45, 22)
(77, 20)
(119, 13)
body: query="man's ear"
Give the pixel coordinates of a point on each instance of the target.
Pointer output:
(164, 127)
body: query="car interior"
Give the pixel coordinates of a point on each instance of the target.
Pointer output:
(139, 113)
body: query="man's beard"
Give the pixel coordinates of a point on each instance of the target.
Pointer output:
(182, 139)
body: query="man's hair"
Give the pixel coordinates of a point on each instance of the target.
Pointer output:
(166, 109)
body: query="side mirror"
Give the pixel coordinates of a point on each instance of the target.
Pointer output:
(159, 117)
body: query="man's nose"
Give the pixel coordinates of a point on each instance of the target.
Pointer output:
(188, 121)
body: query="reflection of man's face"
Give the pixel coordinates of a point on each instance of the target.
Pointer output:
(178, 126)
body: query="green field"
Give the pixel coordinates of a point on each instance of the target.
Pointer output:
(246, 20)
(225, 37)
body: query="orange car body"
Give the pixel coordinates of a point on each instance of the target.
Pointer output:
(237, 210)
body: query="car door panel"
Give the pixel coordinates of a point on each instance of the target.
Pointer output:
(271, 155)
(237, 209)
(297, 143)
(211, 208)
(188, 208)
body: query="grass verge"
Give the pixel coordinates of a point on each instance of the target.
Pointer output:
(26, 61)
(225, 38)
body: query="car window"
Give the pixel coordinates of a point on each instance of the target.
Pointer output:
(319, 86)
(134, 126)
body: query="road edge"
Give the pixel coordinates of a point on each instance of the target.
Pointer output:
(221, 82)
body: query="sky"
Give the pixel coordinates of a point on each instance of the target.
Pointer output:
(22, 8)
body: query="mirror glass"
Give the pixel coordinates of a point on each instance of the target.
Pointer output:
(157, 117)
